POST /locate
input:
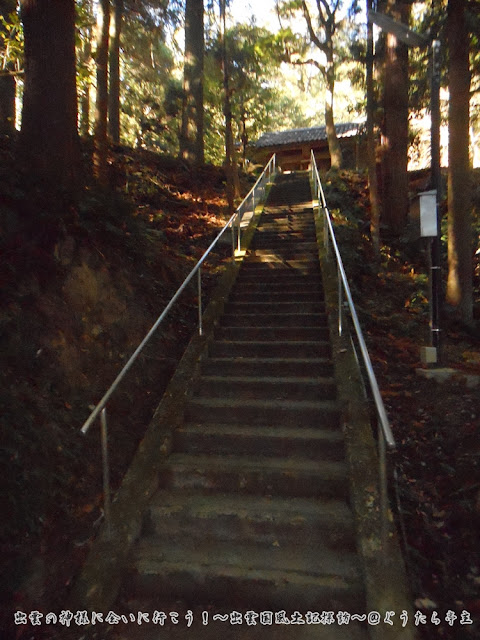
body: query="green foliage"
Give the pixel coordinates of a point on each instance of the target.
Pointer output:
(258, 103)
(11, 41)
(151, 95)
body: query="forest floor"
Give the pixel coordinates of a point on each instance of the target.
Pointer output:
(69, 320)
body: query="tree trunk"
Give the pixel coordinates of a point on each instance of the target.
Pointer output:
(7, 83)
(86, 61)
(333, 143)
(371, 144)
(101, 106)
(48, 140)
(395, 129)
(114, 61)
(460, 253)
(7, 104)
(227, 109)
(191, 139)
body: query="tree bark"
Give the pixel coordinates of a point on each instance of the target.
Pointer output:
(101, 106)
(371, 144)
(326, 19)
(192, 133)
(48, 139)
(86, 61)
(7, 104)
(394, 151)
(333, 143)
(460, 252)
(7, 82)
(114, 62)
(232, 182)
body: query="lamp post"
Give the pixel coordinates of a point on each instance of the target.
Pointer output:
(414, 39)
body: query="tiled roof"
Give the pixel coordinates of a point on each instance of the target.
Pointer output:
(306, 134)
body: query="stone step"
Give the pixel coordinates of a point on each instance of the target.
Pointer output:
(269, 349)
(295, 413)
(273, 441)
(302, 263)
(265, 521)
(287, 477)
(273, 333)
(278, 388)
(245, 294)
(275, 236)
(262, 268)
(277, 279)
(284, 247)
(307, 367)
(281, 577)
(308, 306)
(275, 320)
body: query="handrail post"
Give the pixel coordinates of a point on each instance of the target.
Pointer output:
(199, 287)
(253, 202)
(325, 233)
(106, 469)
(382, 472)
(340, 302)
(239, 239)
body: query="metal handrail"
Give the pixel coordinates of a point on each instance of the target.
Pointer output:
(385, 436)
(343, 281)
(234, 223)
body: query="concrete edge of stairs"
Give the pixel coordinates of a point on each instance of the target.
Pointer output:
(97, 586)
(385, 574)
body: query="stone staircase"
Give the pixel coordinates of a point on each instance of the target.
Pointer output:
(253, 506)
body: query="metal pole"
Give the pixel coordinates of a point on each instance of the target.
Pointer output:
(382, 473)
(436, 272)
(325, 231)
(199, 283)
(239, 240)
(340, 302)
(106, 469)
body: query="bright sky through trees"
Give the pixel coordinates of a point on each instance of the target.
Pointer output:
(264, 11)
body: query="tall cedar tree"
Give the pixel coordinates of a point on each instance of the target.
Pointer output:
(114, 69)
(233, 188)
(394, 147)
(101, 106)
(85, 56)
(192, 139)
(7, 80)
(460, 254)
(48, 140)
(371, 143)
(326, 13)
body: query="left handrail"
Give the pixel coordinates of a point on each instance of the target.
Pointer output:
(233, 223)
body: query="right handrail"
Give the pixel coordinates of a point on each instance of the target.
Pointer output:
(343, 281)
(385, 435)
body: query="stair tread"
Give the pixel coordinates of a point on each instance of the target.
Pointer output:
(253, 463)
(325, 405)
(333, 512)
(273, 431)
(279, 562)
(310, 380)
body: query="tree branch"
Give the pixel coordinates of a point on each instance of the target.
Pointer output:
(11, 73)
(313, 36)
